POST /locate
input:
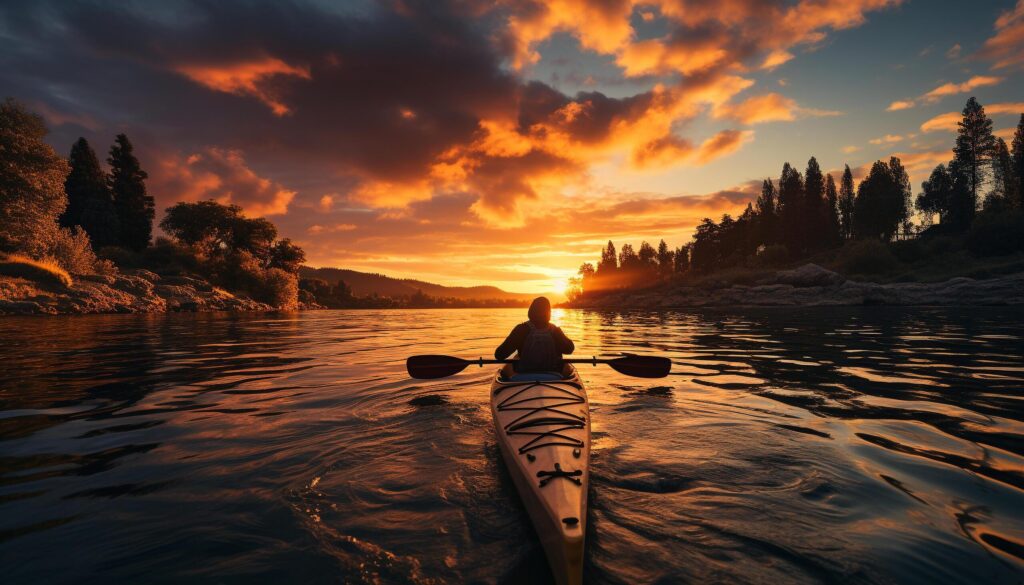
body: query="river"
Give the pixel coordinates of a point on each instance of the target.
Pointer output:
(855, 445)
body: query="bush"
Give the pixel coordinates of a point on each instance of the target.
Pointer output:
(45, 271)
(122, 257)
(774, 255)
(169, 257)
(909, 251)
(997, 234)
(72, 249)
(868, 256)
(278, 288)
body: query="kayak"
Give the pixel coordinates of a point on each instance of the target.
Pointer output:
(542, 422)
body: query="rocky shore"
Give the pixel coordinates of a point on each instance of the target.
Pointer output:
(811, 285)
(135, 291)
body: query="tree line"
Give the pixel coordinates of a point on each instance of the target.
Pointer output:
(89, 221)
(804, 214)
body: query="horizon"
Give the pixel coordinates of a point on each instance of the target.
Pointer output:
(497, 170)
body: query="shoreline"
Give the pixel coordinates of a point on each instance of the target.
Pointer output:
(813, 286)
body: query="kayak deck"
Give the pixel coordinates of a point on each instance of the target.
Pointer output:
(543, 429)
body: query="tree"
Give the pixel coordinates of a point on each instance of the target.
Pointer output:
(767, 213)
(962, 202)
(90, 203)
(609, 261)
(31, 181)
(135, 208)
(935, 194)
(975, 145)
(846, 204)
(1004, 194)
(902, 179)
(791, 209)
(665, 264)
(1018, 160)
(814, 208)
(648, 257)
(704, 247)
(879, 207)
(681, 259)
(287, 256)
(833, 235)
(217, 230)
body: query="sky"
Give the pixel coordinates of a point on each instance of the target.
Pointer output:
(471, 142)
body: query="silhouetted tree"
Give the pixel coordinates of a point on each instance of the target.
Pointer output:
(287, 256)
(135, 207)
(814, 207)
(609, 261)
(665, 264)
(791, 208)
(972, 154)
(648, 257)
(1004, 182)
(767, 213)
(833, 235)
(681, 259)
(879, 207)
(90, 203)
(704, 248)
(31, 180)
(846, 204)
(962, 202)
(902, 179)
(1018, 160)
(935, 194)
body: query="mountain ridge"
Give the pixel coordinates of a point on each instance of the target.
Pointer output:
(365, 284)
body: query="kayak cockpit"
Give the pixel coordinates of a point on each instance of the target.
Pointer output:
(508, 374)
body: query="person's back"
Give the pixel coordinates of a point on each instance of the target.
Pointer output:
(539, 343)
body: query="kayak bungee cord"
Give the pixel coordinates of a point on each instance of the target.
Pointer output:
(549, 415)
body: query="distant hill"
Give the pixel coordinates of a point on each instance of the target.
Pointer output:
(364, 284)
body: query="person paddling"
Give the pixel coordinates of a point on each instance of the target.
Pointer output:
(540, 343)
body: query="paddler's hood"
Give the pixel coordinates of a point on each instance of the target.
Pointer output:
(540, 311)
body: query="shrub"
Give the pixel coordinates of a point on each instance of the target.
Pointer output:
(72, 249)
(45, 271)
(169, 257)
(908, 250)
(997, 234)
(278, 288)
(122, 257)
(773, 255)
(868, 256)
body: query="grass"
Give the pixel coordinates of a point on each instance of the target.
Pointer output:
(40, 271)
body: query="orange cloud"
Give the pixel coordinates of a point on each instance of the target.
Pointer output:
(1006, 48)
(887, 139)
(221, 175)
(669, 150)
(246, 78)
(948, 122)
(947, 89)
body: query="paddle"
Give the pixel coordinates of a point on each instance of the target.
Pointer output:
(430, 367)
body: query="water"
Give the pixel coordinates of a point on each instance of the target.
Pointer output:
(855, 445)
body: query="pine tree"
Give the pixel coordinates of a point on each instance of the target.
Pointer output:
(665, 266)
(1004, 183)
(609, 260)
(846, 204)
(135, 208)
(791, 209)
(972, 155)
(90, 203)
(833, 235)
(902, 180)
(814, 216)
(767, 213)
(1018, 160)
(681, 259)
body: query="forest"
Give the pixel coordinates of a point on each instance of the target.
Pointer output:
(975, 202)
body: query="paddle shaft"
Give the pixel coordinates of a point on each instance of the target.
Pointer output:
(593, 361)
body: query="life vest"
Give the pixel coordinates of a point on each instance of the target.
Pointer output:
(539, 352)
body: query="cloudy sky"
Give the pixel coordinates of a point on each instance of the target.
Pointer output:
(503, 142)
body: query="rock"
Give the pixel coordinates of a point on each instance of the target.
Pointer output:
(809, 275)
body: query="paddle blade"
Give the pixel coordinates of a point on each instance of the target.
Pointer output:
(642, 366)
(430, 367)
